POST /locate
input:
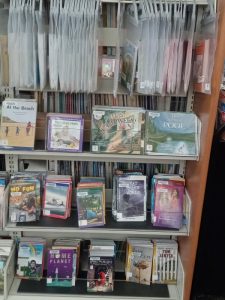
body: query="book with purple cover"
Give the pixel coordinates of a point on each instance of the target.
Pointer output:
(60, 267)
(65, 133)
(168, 206)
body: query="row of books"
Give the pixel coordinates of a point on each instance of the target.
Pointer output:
(113, 130)
(129, 200)
(146, 262)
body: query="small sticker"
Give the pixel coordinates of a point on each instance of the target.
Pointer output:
(49, 280)
(82, 194)
(13, 217)
(129, 274)
(155, 277)
(98, 114)
(82, 222)
(4, 142)
(142, 85)
(47, 212)
(149, 147)
(154, 114)
(207, 87)
(95, 148)
(119, 215)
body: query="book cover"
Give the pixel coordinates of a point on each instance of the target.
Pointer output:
(18, 124)
(168, 207)
(60, 267)
(90, 206)
(117, 131)
(56, 197)
(131, 198)
(22, 202)
(129, 62)
(100, 274)
(171, 133)
(30, 260)
(65, 134)
(140, 264)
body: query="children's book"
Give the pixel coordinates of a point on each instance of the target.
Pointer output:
(60, 267)
(139, 261)
(117, 130)
(164, 268)
(22, 202)
(18, 124)
(100, 274)
(65, 133)
(131, 198)
(171, 133)
(30, 259)
(91, 205)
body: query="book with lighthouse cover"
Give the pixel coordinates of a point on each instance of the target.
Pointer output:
(18, 124)
(61, 267)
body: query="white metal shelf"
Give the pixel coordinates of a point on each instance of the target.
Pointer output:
(102, 157)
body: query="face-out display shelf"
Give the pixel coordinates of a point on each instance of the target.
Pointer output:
(116, 230)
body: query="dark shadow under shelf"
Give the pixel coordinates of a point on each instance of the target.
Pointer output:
(121, 288)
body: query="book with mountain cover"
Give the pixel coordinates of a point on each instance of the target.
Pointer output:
(171, 133)
(117, 130)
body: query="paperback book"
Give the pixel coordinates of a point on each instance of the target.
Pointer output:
(65, 132)
(91, 204)
(100, 274)
(171, 133)
(22, 202)
(164, 269)
(30, 258)
(60, 267)
(18, 124)
(117, 130)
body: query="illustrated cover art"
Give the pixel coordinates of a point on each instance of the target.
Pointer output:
(90, 206)
(140, 264)
(117, 131)
(168, 207)
(30, 259)
(129, 61)
(18, 124)
(171, 133)
(60, 267)
(55, 201)
(65, 134)
(164, 269)
(22, 202)
(100, 274)
(131, 198)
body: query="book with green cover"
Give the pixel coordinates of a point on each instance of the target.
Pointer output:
(171, 133)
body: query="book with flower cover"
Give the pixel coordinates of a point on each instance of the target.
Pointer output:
(60, 267)
(117, 130)
(65, 132)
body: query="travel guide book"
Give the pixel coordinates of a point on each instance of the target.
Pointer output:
(65, 132)
(18, 124)
(117, 130)
(171, 133)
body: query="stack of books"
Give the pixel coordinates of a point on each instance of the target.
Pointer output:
(63, 262)
(100, 274)
(5, 249)
(129, 196)
(167, 200)
(57, 196)
(90, 198)
(138, 266)
(30, 262)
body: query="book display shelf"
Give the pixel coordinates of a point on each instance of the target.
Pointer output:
(193, 168)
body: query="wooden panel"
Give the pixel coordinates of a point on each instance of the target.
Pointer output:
(205, 106)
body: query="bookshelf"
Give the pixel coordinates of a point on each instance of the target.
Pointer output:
(194, 168)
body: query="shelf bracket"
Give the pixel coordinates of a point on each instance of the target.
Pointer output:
(11, 162)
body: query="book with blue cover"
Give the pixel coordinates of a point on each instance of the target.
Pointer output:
(171, 133)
